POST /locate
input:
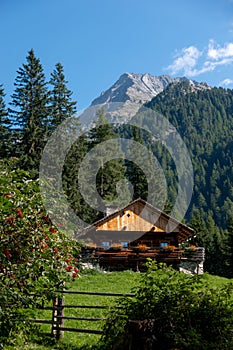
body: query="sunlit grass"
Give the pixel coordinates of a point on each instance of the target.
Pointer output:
(116, 282)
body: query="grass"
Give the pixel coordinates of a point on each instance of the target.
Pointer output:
(116, 282)
(217, 281)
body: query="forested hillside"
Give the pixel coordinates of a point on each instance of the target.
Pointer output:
(204, 119)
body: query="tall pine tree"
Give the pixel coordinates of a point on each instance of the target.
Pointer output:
(111, 172)
(228, 249)
(134, 173)
(142, 169)
(61, 105)
(30, 112)
(77, 182)
(4, 127)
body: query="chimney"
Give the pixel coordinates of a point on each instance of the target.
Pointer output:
(110, 210)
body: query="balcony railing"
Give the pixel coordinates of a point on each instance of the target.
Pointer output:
(128, 255)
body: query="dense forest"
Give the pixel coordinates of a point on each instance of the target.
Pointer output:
(203, 118)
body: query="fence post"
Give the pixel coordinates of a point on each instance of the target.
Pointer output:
(54, 316)
(57, 317)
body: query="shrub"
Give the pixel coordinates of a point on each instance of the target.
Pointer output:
(35, 257)
(172, 310)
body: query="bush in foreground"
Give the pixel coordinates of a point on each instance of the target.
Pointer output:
(173, 311)
(35, 257)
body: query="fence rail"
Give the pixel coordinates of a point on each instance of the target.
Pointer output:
(108, 294)
(58, 317)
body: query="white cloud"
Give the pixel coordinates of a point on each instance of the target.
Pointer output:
(187, 61)
(216, 52)
(226, 82)
(210, 65)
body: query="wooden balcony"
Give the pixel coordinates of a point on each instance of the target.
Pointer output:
(136, 259)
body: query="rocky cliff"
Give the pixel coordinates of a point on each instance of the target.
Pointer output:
(131, 91)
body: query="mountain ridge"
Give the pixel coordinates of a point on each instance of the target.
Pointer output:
(141, 88)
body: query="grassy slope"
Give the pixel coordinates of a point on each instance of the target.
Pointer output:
(121, 282)
(217, 281)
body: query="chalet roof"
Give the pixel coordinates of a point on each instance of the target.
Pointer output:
(185, 231)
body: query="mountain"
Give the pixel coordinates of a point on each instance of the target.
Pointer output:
(131, 91)
(135, 88)
(140, 88)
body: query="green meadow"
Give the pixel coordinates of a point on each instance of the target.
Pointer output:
(114, 282)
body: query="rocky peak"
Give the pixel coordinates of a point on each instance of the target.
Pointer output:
(138, 88)
(133, 90)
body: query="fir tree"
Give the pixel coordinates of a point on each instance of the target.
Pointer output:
(79, 185)
(228, 249)
(71, 184)
(143, 172)
(112, 172)
(4, 127)
(61, 105)
(134, 173)
(30, 112)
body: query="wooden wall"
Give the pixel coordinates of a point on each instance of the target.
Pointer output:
(135, 219)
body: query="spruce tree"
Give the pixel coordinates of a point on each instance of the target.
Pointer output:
(30, 112)
(78, 182)
(111, 172)
(134, 173)
(228, 249)
(70, 180)
(4, 127)
(61, 105)
(143, 172)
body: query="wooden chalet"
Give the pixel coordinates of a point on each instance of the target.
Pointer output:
(130, 235)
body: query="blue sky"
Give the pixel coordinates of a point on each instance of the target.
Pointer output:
(97, 41)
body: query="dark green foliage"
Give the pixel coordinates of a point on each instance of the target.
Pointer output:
(134, 171)
(61, 105)
(112, 171)
(141, 165)
(36, 112)
(30, 113)
(108, 173)
(208, 235)
(70, 179)
(172, 310)
(204, 120)
(228, 249)
(4, 127)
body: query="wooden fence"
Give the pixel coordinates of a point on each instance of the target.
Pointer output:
(57, 321)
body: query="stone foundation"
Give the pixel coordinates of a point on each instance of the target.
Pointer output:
(193, 263)
(192, 267)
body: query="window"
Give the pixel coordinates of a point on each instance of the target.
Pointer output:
(105, 245)
(163, 244)
(124, 244)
